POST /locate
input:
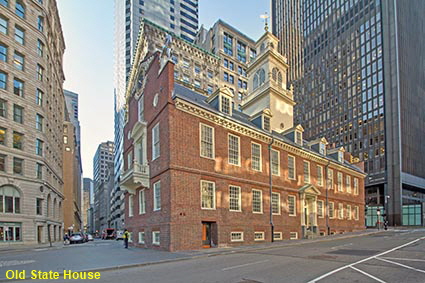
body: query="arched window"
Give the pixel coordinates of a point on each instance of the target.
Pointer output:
(259, 78)
(54, 208)
(20, 9)
(48, 205)
(60, 210)
(277, 76)
(10, 200)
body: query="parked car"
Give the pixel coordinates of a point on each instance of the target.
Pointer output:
(89, 237)
(76, 238)
(108, 233)
(119, 235)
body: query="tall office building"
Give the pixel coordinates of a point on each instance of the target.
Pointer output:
(179, 16)
(31, 121)
(104, 155)
(359, 81)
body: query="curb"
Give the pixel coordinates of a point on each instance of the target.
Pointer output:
(127, 266)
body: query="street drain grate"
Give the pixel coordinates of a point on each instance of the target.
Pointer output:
(354, 252)
(244, 280)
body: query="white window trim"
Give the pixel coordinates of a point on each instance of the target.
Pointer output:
(295, 205)
(279, 237)
(221, 102)
(330, 178)
(236, 240)
(155, 205)
(356, 186)
(153, 142)
(239, 199)
(261, 158)
(308, 173)
(320, 181)
(291, 237)
(323, 209)
(141, 109)
(295, 168)
(356, 208)
(278, 162)
(261, 201)
(262, 237)
(153, 238)
(214, 197)
(340, 211)
(349, 214)
(142, 192)
(300, 142)
(130, 205)
(200, 141)
(348, 184)
(278, 203)
(140, 241)
(331, 216)
(228, 150)
(338, 183)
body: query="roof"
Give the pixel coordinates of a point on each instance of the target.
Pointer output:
(238, 116)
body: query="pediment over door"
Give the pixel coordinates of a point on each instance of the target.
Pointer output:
(309, 189)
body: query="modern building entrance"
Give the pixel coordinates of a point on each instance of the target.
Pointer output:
(207, 234)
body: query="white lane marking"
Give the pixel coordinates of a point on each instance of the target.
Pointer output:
(405, 266)
(367, 274)
(336, 247)
(243, 265)
(363, 260)
(15, 262)
(406, 259)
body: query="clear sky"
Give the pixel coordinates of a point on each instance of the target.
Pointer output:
(88, 64)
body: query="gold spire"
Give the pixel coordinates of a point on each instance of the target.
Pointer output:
(265, 17)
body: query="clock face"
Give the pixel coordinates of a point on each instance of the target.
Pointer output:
(155, 100)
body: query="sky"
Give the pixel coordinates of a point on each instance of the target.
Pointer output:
(88, 61)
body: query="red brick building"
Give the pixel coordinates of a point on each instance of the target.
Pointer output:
(199, 173)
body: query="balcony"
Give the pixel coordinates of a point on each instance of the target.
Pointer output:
(134, 177)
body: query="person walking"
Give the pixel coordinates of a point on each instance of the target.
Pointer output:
(126, 236)
(66, 239)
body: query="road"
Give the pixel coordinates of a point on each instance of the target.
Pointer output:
(392, 256)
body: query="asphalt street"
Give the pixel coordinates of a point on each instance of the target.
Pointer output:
(391, 256)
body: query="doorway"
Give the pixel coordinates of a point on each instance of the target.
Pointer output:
(206, 234)
(39, 234)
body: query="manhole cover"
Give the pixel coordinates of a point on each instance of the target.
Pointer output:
(354, 252)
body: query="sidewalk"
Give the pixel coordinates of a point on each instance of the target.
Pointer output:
(26, 247)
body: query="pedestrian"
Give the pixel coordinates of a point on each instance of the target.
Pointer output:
(65, 239)
(126, 236)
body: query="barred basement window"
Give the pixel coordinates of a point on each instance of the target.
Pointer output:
(236, 236)
(207, 141)
(233, 150)
(276, 203)
(331, 210)
(256, 156)
(207, 195)
(320, 208)
(257, 201)
(235, 198)
(293, 235)
(306, 172)
(259, 236)
(291, 206)
(291, 167)
(277, 235)
(275, 162)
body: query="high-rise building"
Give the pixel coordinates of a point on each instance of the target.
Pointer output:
(358, 80)
(71, 100)
(178, 16)
(88, 199)
(31, 122)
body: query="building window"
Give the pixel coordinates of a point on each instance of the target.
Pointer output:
(130, 206)
(298, 138)
(275, 162)
(3, 53)
(40, 72)
(39, 122)
(39, 97)
(277, 76)
(207, 141)
(20, 9)
(277, 236)
(293, 235)
(207, 195)
(306, 172)
(331, 210)
(40, 48)
(18, 87)
(197, 69)
(40, 24)
(18, 140)
(141, 108)
(2, 163)
(141, 237)
(257, 201)
(259, 78)
(266, 123)
(236, 236)
(18, 166)
(157, 196)
(348, 184)
(209, 89)
(39, 147)
(356, 213)
(228, 44)
(225, 104)
(10, 200)
(256, 156)
(3, 80)
(18, 61)
(4, 23)
(18, 114)
(186, 63)
(339, 181)
(19, 35)
(142, 202)
(234, 150)
(4, 3)
(235, 198)
(275, 203)
(156, 238)
(356, 186)
(258, 236)
(39, 206)
(291, 167)
(2, 136)
(340, 211)
(319, 175)
(39, 171)
(320, 209)
(340, 156)
(292, 209)
(349, 212)
(331, 179)
(322, 148)
(155, 142)
(10, 232)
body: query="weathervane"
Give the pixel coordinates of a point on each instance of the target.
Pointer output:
(265, 17)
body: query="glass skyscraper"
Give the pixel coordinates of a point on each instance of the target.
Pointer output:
(357, 68)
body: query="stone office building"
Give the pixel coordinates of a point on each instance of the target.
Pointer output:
(199, 173)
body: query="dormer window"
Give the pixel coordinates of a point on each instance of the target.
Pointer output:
(341, 156)
(225, 105)
(266, 123)
(298, 138)
(322, 148)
